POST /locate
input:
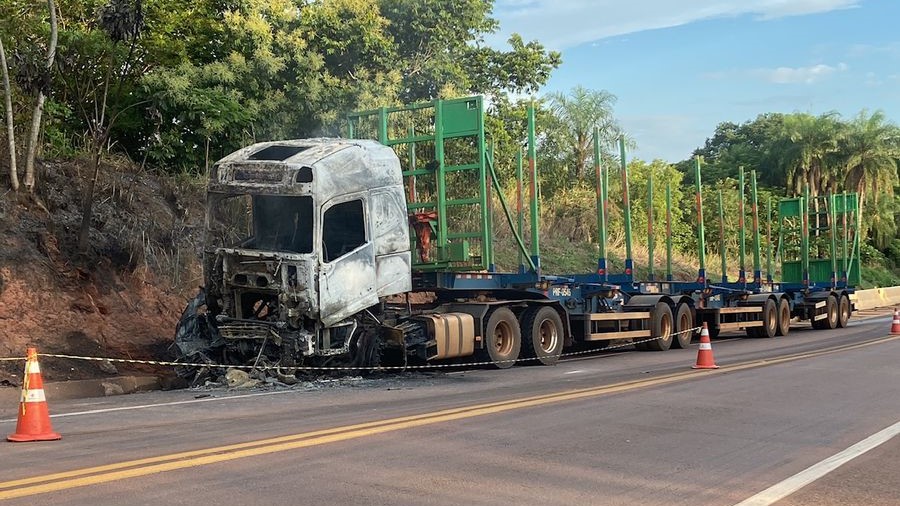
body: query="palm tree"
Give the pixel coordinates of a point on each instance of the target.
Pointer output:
(810, 144)
(578, 113)
(872, 148)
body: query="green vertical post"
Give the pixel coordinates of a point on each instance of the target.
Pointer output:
(668, 231)
(769, 272)
(626, 209)
(754, 208)
(601, 207)
(411, 181)
(804, 239)
(857, 218)
(651, 241)
(535, 205)
(383, 126)
(832, 220)
(488, 200)
(742, 233)
(520, 213)
(440, 178)
(604, 197)
(846, 254)
(722, 238)
(701, 235)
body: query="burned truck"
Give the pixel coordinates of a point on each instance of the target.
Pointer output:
(357, 253)
(304, 240)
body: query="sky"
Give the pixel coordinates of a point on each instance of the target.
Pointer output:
(680, 67)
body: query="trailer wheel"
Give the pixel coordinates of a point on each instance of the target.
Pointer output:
(784, 318)
(684, 322)
(542, 335)
(770, 320)
(502, 338)
(661, 326)
(843, 311)
(831, 319)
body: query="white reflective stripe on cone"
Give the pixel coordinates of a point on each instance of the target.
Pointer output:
(36, 395)
(705, 346)
(33, 367)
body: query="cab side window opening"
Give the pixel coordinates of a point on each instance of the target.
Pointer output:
(343, 229)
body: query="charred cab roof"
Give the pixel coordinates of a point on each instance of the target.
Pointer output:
(324, 167)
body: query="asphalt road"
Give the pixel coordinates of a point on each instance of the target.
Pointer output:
(619, 428)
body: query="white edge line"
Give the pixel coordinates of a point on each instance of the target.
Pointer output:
(174, 403)
(796, 482)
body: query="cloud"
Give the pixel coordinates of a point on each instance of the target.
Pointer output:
(566, 23)
(783, 75)
(861, 50)
(798, 75)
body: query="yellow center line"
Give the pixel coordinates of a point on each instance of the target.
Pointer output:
(143, 467)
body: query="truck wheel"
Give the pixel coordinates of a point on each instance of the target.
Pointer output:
(502, 338)
(770, 320)
(684, 322)
(661, 326)
(542, 335)
(784, 318)
(843, 311)
(831, 319)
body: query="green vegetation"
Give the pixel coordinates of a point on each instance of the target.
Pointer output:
(173, 85)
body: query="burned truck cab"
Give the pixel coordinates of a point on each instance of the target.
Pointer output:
(301, 237)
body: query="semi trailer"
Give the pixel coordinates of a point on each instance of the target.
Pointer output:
(379, 248)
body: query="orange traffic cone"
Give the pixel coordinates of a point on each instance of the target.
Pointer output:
(895, 327)
(34, 417)
(704, 354)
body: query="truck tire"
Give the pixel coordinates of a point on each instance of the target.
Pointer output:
(784, 318)
(831, 319)
(843, 311)
(661, 326)
(770, 320)
(502, 338)
(542, 335)
(684, 322)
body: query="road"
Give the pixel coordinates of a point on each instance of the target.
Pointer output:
(619, 428)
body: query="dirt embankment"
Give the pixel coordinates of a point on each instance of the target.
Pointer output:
(123, 296)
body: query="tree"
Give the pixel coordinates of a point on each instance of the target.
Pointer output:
(10, 127)
(872, 150)
(808, 145)
(439, 46)
(749, 144)
(578, 113)
(120, 21)
(42, 92)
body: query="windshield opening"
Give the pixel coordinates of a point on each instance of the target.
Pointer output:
(261, 222)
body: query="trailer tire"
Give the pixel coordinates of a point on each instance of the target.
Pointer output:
(542, 335)
(502, 338)
(770, 320)
(661, 326)
(684, 322)
(831, 319)
(843, 311)
(784, 318)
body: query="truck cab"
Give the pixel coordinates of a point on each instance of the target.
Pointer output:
(302, 235)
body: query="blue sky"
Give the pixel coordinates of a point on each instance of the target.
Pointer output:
(679, 68)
